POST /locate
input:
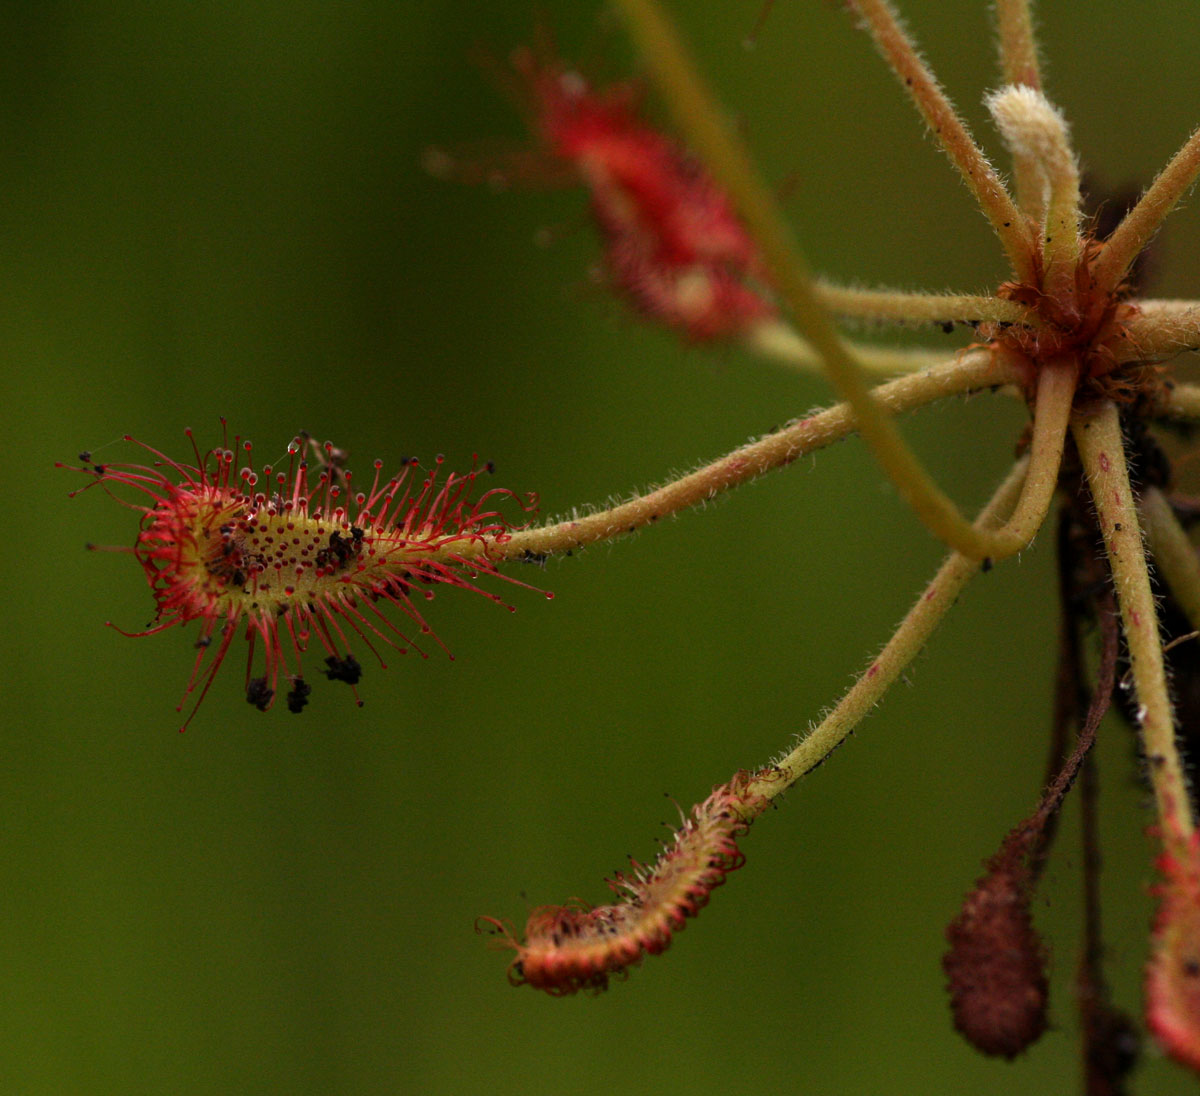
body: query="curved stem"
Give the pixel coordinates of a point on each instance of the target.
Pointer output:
(971, 372)
(726, 158)
(912, 634)
(1036, 132)
(1052, 412)
(1101, 448)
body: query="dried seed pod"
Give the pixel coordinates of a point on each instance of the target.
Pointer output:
(996, 965)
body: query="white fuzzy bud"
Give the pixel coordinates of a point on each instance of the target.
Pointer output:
(1032, 127)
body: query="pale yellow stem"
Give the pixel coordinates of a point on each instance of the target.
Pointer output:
(1032, 190)
(907, 642)
(1019, 67)
(1035, 130)
(1182, 401)
(890, 306)
(951, 133)
(1144, 220)
(726, 158)
(1102, 451)
(1166, 307)
(1018, 44)
(1173, 552)
(1159, 330)
(1052, 411)
(778, 341)
(1061, 242)
(776, 450)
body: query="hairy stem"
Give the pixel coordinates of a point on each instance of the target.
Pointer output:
(1159, 330)
(1019, 67)
(912, 634)
(1052, 411)
(972, 371)
(1061, 243)
(1018, 46)
(951, 133)
(1036, 132)
(1101, 448)
(725, 156)
(1144, 220)
(778, 341)
(1173, 552)
(890, 306)
(1179, 402)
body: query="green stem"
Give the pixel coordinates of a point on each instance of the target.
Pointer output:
(950, 132)
(1101, 448)
(1052, 410)
(726, 157)
(1018, 46)
(901, 649)
(776, 450)
(1158, 330)
(1144, 220)
(1182, 402)
(778, 341)
(1060, 243)
(1173, 552)
(1020, 68)
(891, 306)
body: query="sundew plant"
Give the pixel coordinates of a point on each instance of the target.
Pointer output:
(293, 564)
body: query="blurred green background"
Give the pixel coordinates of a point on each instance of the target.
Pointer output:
(218, 209)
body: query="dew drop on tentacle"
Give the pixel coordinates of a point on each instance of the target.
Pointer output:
(283, 556)
(576, 947)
